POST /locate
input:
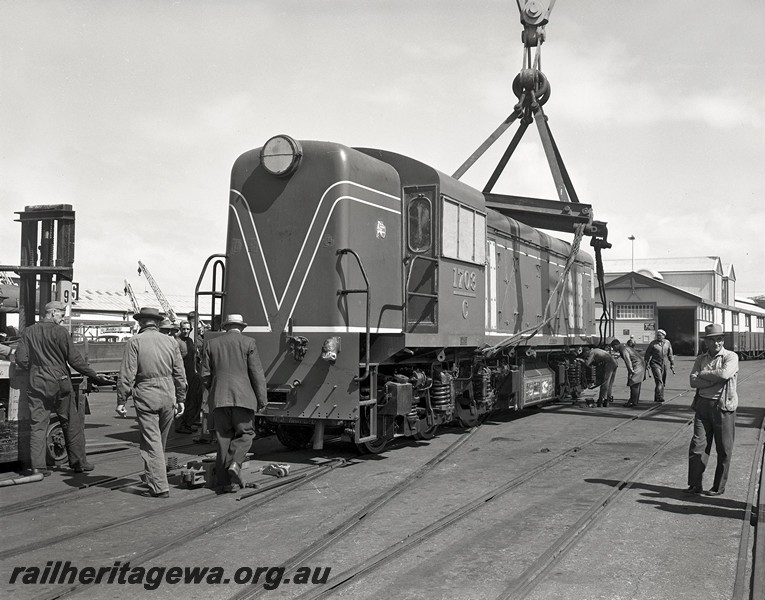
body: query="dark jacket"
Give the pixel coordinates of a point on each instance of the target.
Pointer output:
(46, 351)
(231, 370)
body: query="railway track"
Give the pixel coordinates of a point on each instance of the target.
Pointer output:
(534, 573)
(545, 561)
(520, 587)
(87, 489)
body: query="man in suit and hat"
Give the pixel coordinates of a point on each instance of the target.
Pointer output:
(46, 351)
(714, 376)
(657, 356)
(152, 373)
(232, 371)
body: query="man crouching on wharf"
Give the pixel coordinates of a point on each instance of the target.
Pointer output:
(714, 376)
(232, 371)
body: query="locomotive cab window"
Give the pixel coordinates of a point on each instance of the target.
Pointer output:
(464, 232)
(419, 215)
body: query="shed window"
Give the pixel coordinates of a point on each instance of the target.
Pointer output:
(634, 311)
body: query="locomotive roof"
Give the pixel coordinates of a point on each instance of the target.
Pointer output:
(414, 172)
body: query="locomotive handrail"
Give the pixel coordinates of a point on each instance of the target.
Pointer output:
(214, 293)
(367, 291)
(409, 276)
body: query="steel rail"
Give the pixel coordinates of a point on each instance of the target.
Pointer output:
(44, 543)
(529, 579)
(292, 563)
(297, 480)
(740, 587)
(91, 488)
(416, 538)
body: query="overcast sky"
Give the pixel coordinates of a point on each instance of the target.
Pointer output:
(134, 111)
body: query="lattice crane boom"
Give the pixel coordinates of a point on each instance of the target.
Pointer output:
(131, 294)
(157, 292)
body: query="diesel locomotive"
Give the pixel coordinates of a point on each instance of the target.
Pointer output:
(388, 298)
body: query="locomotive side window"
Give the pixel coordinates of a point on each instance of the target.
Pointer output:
(419, 214)
(464, 232)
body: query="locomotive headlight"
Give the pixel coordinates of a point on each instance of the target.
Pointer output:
(281, 155)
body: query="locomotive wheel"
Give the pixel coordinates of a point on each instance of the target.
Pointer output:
(424, 432)
(294, 436)
(55, 445)
(467, 416)
(375, 447)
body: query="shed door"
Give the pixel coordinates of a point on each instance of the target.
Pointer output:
(420, 261)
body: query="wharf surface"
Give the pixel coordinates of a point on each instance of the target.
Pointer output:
(564, 502)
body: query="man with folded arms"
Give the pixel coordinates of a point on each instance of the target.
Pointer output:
(714, 377)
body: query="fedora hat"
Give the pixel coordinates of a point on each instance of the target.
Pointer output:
(149, 312)
(233, 319)
(713, 330)
(168, 324)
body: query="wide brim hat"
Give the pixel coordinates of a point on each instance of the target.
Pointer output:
(233, 319)
(713, 330)
(168, 324)
(149, 312)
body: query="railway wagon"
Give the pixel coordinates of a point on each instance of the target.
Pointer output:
(386, 298)
(749, 345)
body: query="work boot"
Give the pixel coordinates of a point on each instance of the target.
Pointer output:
(233, 474)
(82, 467)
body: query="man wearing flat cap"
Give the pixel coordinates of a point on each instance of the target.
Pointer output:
(232, 371)
(713, 376)
(657, 356)
(152, 373)
(46, 351)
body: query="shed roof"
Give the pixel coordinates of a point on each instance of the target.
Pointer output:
(678, 264)
(118, 302)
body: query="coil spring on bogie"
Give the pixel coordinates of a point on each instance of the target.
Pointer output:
(574, 373)
(481, 383)
(441, 396)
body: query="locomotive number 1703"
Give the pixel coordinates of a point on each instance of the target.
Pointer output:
(464, 279)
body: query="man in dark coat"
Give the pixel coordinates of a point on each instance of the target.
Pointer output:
(232, 371)
(194, 392)
(46, 351)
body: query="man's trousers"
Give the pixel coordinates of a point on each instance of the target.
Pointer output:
(71, 414)
(235, 431)
(711, 424)
(154, 427)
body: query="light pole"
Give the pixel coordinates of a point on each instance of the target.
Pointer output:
(632, 240)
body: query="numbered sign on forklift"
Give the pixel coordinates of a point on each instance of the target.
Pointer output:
(64, 292)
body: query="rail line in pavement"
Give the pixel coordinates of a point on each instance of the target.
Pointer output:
(534, 574)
